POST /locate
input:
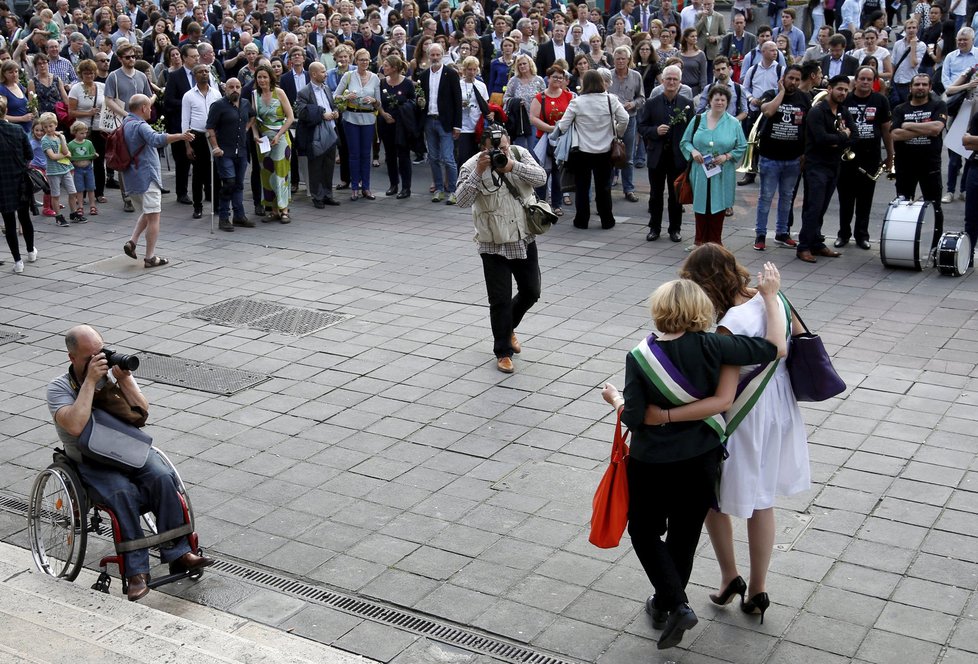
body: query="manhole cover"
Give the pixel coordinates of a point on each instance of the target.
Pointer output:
(267, 316)
(6, 336)
(196, 375)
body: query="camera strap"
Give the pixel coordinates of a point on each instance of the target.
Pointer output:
(512, 188)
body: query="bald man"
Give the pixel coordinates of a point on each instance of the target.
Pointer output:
(71, 399)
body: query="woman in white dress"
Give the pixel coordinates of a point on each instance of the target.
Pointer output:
(768, 450)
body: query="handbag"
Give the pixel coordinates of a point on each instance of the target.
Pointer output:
(618, 153)
(813, 378)
(683, 184)
(609, 509)
(106, 121)
(539, 215)
(108, 440)
(37, 181)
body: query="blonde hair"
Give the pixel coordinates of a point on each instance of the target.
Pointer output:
(78, 126)
(48, 118)
(681, 305)
(519, 58)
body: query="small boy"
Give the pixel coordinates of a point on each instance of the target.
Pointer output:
(82, 154)
(58, 168)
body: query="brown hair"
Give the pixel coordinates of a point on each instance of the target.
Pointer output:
(718, 273)
(272, 79)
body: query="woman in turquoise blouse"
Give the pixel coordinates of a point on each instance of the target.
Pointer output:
(717, 135)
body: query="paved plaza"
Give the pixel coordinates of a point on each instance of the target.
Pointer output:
(387, 458)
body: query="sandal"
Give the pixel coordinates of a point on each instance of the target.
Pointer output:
(130, 249)
(93, 211)
(558, 212)
(432, 189)
(155, 261)
(567, 199)
(355, 195)
(285, 218)
(101, 199)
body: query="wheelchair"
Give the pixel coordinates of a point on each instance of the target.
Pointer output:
(62, 512)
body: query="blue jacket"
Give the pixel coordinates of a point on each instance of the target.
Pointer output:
(144, 167)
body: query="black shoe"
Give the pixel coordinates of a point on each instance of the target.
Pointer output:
(631, 197)
(736, 587)
(747, 179)
(184, 200)
(652, 236)
(331, 201)
(244, 222)
(391, 192)
(675, 236)
(839, 242)
(111, 183)
(758, 603)
(167, 191)
(259, 211)
(863, 244)
(659, 617)
(679, 621)
(198, 213)
(225, 225)
(405, 193)
(319, 205)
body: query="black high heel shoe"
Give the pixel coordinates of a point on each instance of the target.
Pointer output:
(759, 602)
(736, 587)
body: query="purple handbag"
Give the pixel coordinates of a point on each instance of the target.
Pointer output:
(813, 378)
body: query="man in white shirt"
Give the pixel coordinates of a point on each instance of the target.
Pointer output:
(196, 105)
(757, 80)
(590, 29)
(400, 45)
(906, 56)
(443, 123)
(314, 106)
(851, 11)
(690, 14)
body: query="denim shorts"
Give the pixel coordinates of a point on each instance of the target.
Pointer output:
(84, 178)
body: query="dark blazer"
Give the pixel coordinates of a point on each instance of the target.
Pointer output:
(412, 27)
(546, 56)
(308, 115)
(655, 112)
(84, 54)
(217, 40)
(287, 83)
(176, 87)
(17, 155)
(727, 44)
(670, 19)
(849, 65)
(449, 97)
(440, 30)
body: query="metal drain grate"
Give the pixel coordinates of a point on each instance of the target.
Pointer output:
(370, 610)
(6, 336)
(196, 375)
(267, 316)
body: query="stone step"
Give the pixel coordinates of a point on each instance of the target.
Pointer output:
(49, 621)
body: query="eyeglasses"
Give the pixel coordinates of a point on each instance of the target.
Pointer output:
(127, 57)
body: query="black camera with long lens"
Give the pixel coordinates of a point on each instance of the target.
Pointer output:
(127, 362)
(497, 158)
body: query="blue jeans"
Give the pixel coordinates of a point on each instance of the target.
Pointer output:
(639, 156)
(441, 155)
(954, 164)
(152, 488)
(627, 179)
(780, 177)
(360, 139)
(231, 169)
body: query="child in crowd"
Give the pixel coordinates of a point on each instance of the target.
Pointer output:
(39, 163)
(58, 168)
(82, 154)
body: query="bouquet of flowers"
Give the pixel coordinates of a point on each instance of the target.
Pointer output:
(32, 105)
(678, 116)
(419, 97)
(160, 125)
(554, 113)
(345, 100)
(392, 101)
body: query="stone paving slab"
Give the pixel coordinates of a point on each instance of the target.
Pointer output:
(387, 457)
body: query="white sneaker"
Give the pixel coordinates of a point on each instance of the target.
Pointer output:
(18, 267)
(32, 255)
(947, 198)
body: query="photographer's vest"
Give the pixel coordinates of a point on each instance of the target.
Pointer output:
(498, 216)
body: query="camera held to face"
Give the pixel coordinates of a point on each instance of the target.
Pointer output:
(127, 362)
(497, 158)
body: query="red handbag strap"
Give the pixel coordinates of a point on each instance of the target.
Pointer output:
(619, 449)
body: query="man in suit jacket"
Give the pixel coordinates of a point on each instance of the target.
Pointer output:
(555, 49)
(446, 26)
(443, 123)
(314, 106)
(737, 44)
(410, 22)
(294, 80)
(224, 39)
(177, 85)
(399, 43)
(709, 30)
(663, 157)
(625, 14)
(837, 62)
(667, 14)
(502, 25)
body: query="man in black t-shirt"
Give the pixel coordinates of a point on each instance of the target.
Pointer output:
(917, 134)
(871, 113)
(970, 141)
(782, 143)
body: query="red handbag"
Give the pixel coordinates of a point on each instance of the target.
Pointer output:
(609, 514)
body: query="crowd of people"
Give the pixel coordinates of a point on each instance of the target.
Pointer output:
(421, 82)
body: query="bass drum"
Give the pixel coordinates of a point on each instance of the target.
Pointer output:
(908, 230)
(954, 254)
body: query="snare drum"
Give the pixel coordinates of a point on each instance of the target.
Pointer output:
(908, 230)
(954, 254)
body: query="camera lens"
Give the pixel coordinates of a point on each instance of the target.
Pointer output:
(127, 362)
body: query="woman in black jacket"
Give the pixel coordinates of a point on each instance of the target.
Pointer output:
(673, 468)
(15, 193)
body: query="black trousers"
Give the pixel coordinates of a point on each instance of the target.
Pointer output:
(321, 174)
(856, 194)
(820, 180)
(971, 205)
(398, 158)
(255, 175)
(928, 176)
(670, 499)
(201, 183)
(181, 166)
(98, 142)
(586, 166)
(344, 149)
(663, 175)
(465, 147)
(10, 230)
(506, 311)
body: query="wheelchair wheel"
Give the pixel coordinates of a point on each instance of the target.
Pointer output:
(56, 522)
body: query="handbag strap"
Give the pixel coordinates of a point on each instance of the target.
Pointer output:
(796, 315)
(612, 114)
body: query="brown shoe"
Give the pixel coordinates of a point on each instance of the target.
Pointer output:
(137, 587)
(806, 256)
(514, 343)
(830, 253)
(505, 364)
(189, 562)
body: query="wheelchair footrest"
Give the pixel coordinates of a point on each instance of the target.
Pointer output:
(103, 582)
(156, 582)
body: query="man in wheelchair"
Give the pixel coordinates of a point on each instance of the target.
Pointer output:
(128, 493)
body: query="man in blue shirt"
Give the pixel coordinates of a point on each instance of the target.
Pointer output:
(796, 38)
(956, 63)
